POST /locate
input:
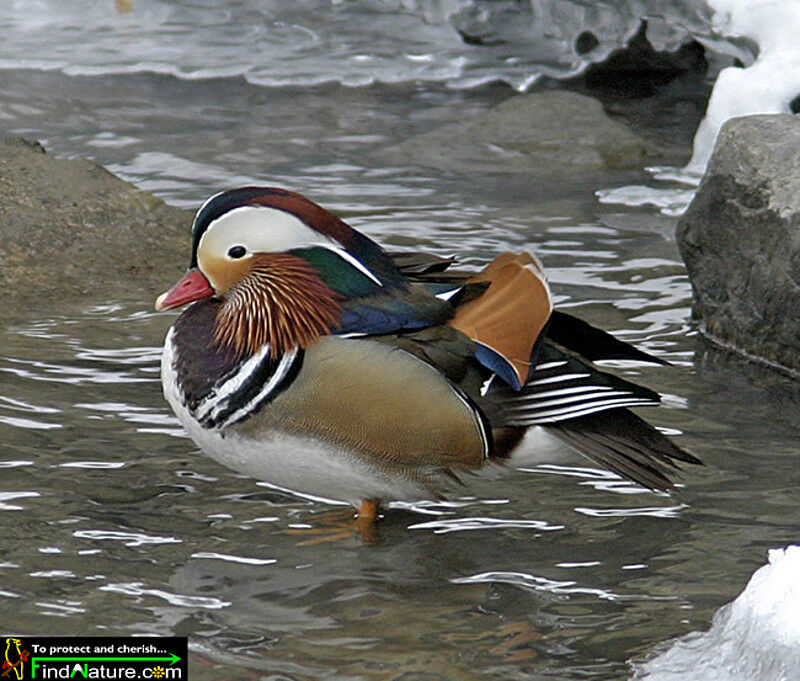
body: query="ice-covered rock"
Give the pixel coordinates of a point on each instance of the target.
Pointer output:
(740, 239)
(769, 84)
(460, 42)
(754, 638)
(358, 42)
(762, 36)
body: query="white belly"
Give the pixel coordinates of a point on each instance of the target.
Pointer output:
(302, 465)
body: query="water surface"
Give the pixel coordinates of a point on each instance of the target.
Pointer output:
(114, 524)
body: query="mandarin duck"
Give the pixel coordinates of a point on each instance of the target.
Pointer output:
(313, 359)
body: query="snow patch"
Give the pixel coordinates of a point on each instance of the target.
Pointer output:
(757, 636)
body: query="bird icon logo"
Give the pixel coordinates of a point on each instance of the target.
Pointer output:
(15, 659)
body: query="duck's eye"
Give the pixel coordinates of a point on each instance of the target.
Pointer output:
(237, 252)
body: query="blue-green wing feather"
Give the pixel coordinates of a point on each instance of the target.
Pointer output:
(370, 307)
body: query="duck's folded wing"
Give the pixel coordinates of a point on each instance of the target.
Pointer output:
(587, 410)
(427, 267)
(392, 310)
(563, 387)
(582, 406)
(506, 321)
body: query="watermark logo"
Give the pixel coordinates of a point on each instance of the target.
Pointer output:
(14, 659)
(39, 658)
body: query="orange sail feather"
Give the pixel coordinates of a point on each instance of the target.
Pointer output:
(511, 313)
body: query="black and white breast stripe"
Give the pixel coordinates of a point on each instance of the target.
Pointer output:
(562, 387)
(252, 385)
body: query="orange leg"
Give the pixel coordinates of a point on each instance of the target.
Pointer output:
(366, 519)
(338, 524)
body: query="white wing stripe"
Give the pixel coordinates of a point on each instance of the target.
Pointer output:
(280, 373)
(446, 295)
(516, 399)
(557, 379)
(355, 262)
(218, 398)
(550, 365)
(576, 411)
(525, 406)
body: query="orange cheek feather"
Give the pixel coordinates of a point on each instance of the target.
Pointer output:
(223, 273)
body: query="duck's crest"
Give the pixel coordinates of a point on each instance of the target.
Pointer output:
(314, 216)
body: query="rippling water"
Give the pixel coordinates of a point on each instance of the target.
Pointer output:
(113, 523)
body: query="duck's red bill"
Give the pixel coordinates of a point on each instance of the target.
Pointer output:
(193, 286)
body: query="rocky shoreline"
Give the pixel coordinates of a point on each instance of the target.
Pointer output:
(71, 229)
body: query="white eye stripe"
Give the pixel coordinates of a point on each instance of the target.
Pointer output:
(259, 229)
(355, 262)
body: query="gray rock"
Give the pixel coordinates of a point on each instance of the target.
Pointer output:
(740, 239)
(546, 131)
(70, 228)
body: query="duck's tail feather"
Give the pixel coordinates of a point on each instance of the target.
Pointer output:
(592, 343)
(619, 440)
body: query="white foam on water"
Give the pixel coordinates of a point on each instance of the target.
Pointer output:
(756, 637)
